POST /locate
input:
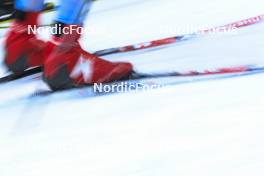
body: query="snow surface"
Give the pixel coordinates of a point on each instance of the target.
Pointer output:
(198, 128)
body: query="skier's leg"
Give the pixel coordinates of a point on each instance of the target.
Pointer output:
(6, 4)
(69, 65)
(6, 8)
(22, 48)
(74, 11)
(29, 5)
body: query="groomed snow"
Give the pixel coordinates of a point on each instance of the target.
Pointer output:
(202, 128)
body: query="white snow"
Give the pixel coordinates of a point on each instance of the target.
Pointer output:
(201, 128)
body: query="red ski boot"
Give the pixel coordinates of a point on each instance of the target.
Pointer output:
(22, 48)
(69, 65)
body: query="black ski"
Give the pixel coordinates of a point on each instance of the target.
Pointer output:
(13, 77)
(136, 77)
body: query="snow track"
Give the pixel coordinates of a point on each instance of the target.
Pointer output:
(212, 127)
